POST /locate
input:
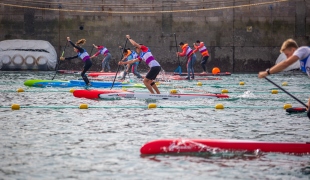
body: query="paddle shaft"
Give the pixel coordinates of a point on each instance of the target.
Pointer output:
(58, 62)
(286, 92)
(176, 46)
(119, 65)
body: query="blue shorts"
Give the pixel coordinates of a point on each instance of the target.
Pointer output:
(152, 74)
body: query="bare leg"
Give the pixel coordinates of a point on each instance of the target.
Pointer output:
(155, 88)
(147, 83)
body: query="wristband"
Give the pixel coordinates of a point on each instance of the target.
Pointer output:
(268, 71)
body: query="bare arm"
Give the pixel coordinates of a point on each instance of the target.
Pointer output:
(125, 57)
(133, 42)
(279, 67)
(129, 62)
(95, 55)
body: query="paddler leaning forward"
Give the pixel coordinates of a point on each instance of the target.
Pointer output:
(293, 54)
(144, 54)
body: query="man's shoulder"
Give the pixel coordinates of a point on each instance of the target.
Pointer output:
(144, 48)
(303, 49)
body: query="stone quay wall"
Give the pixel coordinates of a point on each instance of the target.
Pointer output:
(242, 36)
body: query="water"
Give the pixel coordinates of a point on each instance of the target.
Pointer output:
(51, 138)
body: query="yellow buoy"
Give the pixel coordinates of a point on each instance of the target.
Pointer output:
(219, 106)
(274, 91)
(157, 83)
(83, 106)
(20, 90)
(284, 84)
(72, 90)
(224, 91)
(124, 89)
(173, 91)
(199, 83)
(241, 83)
(286, 106)
(15, 107)
(152, 105)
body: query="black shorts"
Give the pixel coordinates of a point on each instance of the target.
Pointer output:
(152, 74)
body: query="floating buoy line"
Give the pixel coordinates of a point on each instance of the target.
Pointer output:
(149, 106)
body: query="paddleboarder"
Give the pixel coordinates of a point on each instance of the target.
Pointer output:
(293, 53)
(204, 54)
(128, 56)
(107, 57)
(191, 59)
(82, 54)
(144, 54)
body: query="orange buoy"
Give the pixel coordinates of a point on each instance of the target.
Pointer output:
(216, 70)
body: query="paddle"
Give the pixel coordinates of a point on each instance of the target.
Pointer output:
(58, 62)
(308, 112)
(179, 68)
(119, 65)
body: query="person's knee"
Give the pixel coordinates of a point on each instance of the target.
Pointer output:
(145, 80)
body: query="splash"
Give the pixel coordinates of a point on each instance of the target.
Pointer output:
(247, 94)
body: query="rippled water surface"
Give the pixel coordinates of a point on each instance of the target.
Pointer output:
(51, 138)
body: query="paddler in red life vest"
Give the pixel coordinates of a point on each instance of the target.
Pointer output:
(191, 59)
(293, 54)
(144, 54)
(82, 54)
(107, 56)
(204, 54)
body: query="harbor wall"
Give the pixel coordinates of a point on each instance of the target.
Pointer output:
(242, 36)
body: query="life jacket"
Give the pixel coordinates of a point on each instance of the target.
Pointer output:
(189, 50)
(132, 55)
(203, 50)
(148, 58)
(103, 50)
(305, 65)
(84, 55)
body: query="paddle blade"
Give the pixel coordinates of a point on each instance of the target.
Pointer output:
(178, 70)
